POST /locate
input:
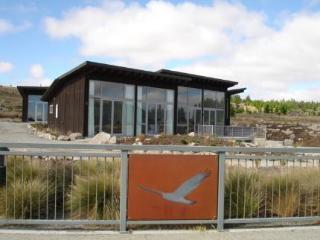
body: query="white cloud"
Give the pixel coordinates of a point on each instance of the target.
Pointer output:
(37, 76)
(5, 67)
(242, 45)
(8, 27)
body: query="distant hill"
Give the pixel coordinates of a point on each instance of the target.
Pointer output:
(10, 102)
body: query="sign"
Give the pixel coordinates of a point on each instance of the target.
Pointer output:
(172, 187)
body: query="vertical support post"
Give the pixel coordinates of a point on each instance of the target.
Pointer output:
(220, 220)
(123, 191)
(3, 170)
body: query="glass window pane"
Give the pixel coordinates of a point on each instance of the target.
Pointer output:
(112, 90)
(97, 88)
(96, 115)
(91, 117)
(156, 94)
(206, 120)
(170, 96)
(191, 120)
(181, 129)
(182, 95)
(160, 118)
(169, 120)
(129, 92)
(39, 112)
(139, 93)
(194, 97)
(31, 111)
(45, 113)
(106, 116)
(117, 117)
(91, 88)
(220, 117)
(34, 98)
(182, 114)
(128, 118)
(209, 99)
(220, 100)
(212, 117)
(151, 119)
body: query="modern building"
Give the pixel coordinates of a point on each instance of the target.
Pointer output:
(33, 109)
(96, 97)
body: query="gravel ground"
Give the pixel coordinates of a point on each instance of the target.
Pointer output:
(310, 233)
(18, 132)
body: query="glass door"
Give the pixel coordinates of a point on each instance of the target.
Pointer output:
(111, 116)
(151, 119)
(39, 112)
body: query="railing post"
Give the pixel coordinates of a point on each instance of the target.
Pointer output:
(123, 191)
(220, 220)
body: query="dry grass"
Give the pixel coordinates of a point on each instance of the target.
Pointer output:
(10, 102)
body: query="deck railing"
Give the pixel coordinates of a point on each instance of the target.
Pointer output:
(236, 132)
(87, 184)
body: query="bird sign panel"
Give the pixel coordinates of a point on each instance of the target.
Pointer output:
(172, 187)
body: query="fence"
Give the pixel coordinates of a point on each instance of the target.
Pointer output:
(87, 184)
(237, 132)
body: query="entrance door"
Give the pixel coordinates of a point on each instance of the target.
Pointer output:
(155, 119)
(209, 117)
(112, 116)
(39, 112)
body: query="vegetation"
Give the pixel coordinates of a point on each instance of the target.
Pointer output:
(10, 102)
(247, 105)
(272, 193)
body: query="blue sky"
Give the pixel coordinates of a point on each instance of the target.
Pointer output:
(37, 44)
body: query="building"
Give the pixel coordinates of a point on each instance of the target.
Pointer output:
(96, 97)
(33, 109)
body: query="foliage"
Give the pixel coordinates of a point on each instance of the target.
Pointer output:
(239, 105)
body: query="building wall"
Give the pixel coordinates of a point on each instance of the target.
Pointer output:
(70, 100)
(25, 108)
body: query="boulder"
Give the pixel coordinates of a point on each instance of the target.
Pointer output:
(75, 136)
(63, 138)
(191, 134)
(288, 142)
(101, 138)
(113, 140)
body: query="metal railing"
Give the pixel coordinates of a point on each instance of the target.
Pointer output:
(237, 132)
(87, 184)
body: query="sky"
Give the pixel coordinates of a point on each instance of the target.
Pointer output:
(271, 47)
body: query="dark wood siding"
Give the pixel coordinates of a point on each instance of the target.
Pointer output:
(25, 108)
(70, 100)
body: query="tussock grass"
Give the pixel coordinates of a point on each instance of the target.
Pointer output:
(272, 192)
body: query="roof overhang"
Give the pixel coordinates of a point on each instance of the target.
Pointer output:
(27, 90)
(236, 91)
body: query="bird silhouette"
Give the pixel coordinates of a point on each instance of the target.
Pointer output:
(183, 190)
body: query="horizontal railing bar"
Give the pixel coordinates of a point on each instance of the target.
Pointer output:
(163, 148)
(169, 222)
(257, 157)
(60, 154)
(271, 220)
(58, 222)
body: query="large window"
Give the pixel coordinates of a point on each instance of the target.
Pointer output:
(189, 109)
(111, 108)
(37, 110)
(193, 111)
(154, 111)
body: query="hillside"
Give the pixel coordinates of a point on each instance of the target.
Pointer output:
(10, 102)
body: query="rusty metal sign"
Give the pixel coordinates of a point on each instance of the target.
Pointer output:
(172, 187)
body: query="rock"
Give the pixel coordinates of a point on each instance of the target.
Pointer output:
(101, 138)
(292, 136)
(138, 143)
(288, 142)
(274, 130)
(63, 138)
(113, 140)
(248, 144)
(191, 134)
(287, 132)
(157, 136)
(192, 144)
(74, 136)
